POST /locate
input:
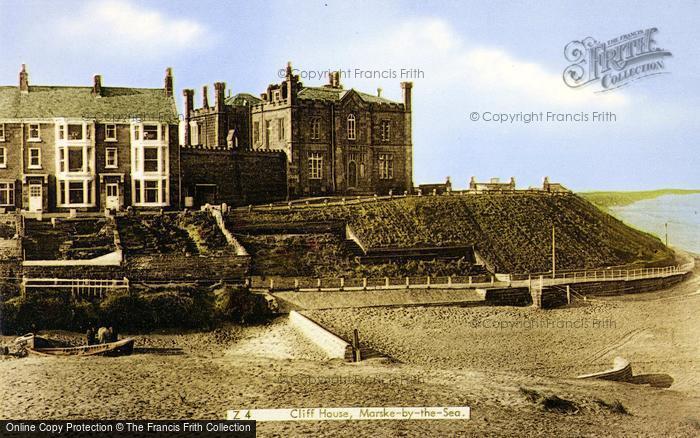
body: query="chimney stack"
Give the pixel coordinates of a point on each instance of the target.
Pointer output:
(169, 82)
(379, 92)
(189, 102)
(205, 97)
(219, 96)
(406, 89)
(24, 80)
(334, 80)
(97, 86)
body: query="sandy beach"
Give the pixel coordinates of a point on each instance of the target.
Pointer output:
(441, 356)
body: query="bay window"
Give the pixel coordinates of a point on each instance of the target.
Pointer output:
(149, 165)
(76, 192)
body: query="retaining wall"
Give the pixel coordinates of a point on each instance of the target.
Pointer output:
(177, 267)
(334, 346)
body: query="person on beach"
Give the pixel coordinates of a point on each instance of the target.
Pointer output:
(90, 336)
(104, 335)
(112, 334)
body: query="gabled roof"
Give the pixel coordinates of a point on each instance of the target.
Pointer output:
(242, 99)
(78, 102)
(336, 94)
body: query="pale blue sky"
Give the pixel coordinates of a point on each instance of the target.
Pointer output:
(486, 56)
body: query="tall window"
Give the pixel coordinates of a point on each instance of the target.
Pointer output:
(280, 129)
(315, 128)
(194, 130)
(386, 130)
(2, 132)
(315, 165)
(386, 166)
(256, 132)
(268, 133)
(111, 158)
(111, 132)
(75, 159)
(7, 193)
(3, 157)
(351, 127)
(150, 159)
(34, 132)
(34, 158)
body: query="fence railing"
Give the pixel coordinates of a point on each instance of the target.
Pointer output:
(301, 204)
(304, 284)
(79, 287)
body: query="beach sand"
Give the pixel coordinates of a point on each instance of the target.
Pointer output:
(446, 357)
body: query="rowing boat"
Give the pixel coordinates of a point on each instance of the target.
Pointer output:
(36, 345)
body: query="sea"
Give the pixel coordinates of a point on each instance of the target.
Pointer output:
(680, 212)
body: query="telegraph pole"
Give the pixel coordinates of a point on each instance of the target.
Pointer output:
(554, 255)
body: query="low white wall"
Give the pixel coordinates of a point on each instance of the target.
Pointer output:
(333, 345)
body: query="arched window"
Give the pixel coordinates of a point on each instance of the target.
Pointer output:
(351, 127)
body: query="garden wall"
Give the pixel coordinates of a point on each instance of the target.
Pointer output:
(177, 267)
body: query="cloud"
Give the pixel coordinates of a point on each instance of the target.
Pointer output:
(491, 75)
(127, 27)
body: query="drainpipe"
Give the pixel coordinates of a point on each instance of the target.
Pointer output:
(333, 147)
(21, 137)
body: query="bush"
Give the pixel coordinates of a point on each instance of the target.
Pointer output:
(241, 306)
(164, 307)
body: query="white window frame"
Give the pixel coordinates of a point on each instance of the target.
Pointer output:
(351, 127)
(386, 166)
(2, 132)
(63, 196)
(38, 132)
(115, 163)
(38, 157)
(3, 157)
(8, 188)
(315, 165)
(109, 126)
(162, 197)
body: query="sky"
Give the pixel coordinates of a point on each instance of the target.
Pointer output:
(462, 57)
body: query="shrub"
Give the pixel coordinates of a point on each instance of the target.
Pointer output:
(241, 306)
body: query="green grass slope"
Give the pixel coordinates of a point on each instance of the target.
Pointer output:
(512, 231)
(606, 200)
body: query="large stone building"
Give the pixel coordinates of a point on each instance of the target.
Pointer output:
(336, 140)
(88, 148)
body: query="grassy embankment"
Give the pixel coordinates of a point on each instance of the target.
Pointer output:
(606, 200)
(513, 231)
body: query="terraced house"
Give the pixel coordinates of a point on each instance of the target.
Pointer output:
(88, 148)
(336, 140)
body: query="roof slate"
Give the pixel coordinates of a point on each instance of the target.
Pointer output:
(336, 94)
(115, 104)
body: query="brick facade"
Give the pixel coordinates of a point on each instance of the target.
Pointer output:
(71, 169)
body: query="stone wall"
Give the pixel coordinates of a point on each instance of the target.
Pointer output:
(176, 267)
(234, 177)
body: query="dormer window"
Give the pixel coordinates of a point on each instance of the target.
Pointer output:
(351, 127)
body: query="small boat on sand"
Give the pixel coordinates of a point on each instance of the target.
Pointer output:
(36, 345)
(621, 372)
